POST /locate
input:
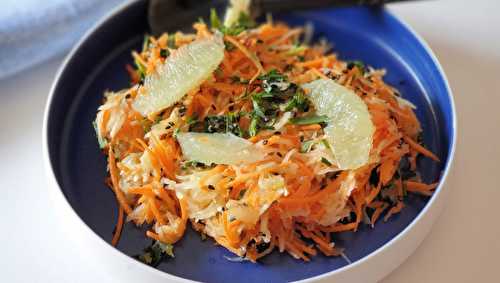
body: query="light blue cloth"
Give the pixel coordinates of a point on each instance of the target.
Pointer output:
(33, 31)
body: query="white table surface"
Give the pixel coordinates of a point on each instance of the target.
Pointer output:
(464, 245)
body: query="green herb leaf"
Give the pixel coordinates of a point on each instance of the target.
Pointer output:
(296, 50)
(215, 21)
(242, 194)
(245, 20)
(308, 120)
(164, 53)
(243, 23)
(229, 46)
(141, 69)
(307, 146)
(101, 140)
(252, 129)
(155, 253)
(171, 41)
(326, 161)
(299, 102)
(257, 109)
(272, 76)
(192, 119)
(146, 125)
(195, 125)
(224, 124)
(268, 104)
(358, 64)
(326, 144)
(236, 79)
(193, 164)
(145, 43)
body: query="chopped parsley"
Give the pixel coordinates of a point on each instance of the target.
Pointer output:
(242, 194)
(309, 120)
(164, 53)
(228, 123)
(326, 161)
(307, 146)
(278, 93)
(193, 124)
(155, 253)
(193, 164)
(296, 50)
(243, 23)
(146, 124)
(299, 102)
(224, 124)
(145, 43)
(236, 79)
(215, 21)
(358, 64)
(141, 69)
(171, 42)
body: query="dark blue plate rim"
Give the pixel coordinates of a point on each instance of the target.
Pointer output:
(49, 170)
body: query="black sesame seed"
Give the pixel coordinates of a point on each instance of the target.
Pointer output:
(261, 247)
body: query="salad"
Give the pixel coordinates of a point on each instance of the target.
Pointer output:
(256, 138)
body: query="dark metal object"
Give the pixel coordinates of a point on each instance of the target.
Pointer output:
(167, 15)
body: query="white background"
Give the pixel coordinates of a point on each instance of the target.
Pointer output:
(464, 245)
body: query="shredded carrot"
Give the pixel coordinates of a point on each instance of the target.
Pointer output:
(395, 209)
(156, 211)
(249, 54)
(288, 200)
(421, 149)
(341, 227)
(114, 182)
(153, 235)
(376, 214)
(313, 127)
(420, 188)
(373, 194)
(118, 228)
(316, 63)
(145, 190)
(320, 74)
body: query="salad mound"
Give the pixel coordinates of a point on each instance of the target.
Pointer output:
(257, 138)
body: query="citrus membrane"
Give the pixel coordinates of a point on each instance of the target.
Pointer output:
(218, 148)
(350, 128)
(182, 72)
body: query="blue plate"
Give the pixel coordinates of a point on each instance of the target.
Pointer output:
(98, 64)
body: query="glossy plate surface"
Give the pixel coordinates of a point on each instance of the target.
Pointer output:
(98, 64)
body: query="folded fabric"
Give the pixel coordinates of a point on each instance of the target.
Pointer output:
(33, 31)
